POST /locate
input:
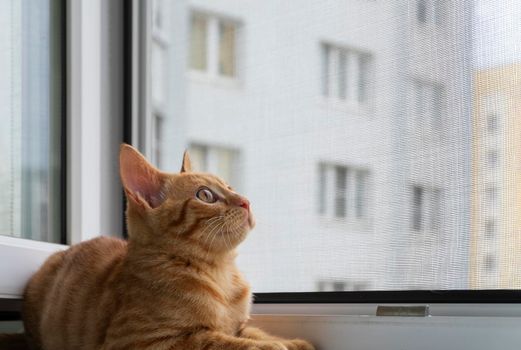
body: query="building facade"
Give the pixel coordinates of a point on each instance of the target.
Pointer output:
(346, 123)
(496, 192)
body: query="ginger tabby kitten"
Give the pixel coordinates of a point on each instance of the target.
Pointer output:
(173, 286)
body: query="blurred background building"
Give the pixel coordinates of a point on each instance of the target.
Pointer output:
(496, 175)
(342, 122)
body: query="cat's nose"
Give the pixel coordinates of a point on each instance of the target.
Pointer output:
(243, 203)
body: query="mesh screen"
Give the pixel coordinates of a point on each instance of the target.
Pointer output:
(378, 141)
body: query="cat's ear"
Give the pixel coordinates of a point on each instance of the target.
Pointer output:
(187, 163)
(142, 181)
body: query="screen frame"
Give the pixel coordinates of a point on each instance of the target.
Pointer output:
(136, 24)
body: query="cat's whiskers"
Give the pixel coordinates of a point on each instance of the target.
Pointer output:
(214, 222)
(215, 218)
(210, 237)
(214, 234)
(226, 238)
(235, 230)
(210, 224)
(233, 219)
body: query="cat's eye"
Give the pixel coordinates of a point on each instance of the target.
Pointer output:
(206, 195)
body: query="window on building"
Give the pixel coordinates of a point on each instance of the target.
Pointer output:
(342, 74)
(198, 43)
(490, 228)
(491, 195)
(421, 10)
(363, 77)
(345, 74)
(492, 159)
(157, 139)
(340, 286)
(322, 189)
(340, 191)
(213, 45)
(361, 183)
(418, 208)
(489, 263)
(217, 160)
(428, 103)
(227, 48)
(160, 18)
(429, 11)
(326, 74)
(31, 119)
(348, 189)
(426, 208)
(492, 123)
(158, 71)
(331, 286)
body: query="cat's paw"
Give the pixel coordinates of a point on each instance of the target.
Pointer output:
(269, 345)
(298, 344)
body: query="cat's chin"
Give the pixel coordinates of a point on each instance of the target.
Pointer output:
(250, 221)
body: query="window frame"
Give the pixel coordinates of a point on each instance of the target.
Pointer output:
(211, 154)
(92, 110)
(23, 255)
(484, 296)
(62, 135)
(432, 13)
(211, 73)
(345, 75)
(356, 326)
(354, 198)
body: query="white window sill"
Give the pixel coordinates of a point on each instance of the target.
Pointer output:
(355, 326)
(24, 257)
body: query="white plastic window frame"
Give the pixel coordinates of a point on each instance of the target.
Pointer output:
(356, 326)
(93, 192)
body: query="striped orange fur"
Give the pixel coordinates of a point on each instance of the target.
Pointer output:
(173, 285)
